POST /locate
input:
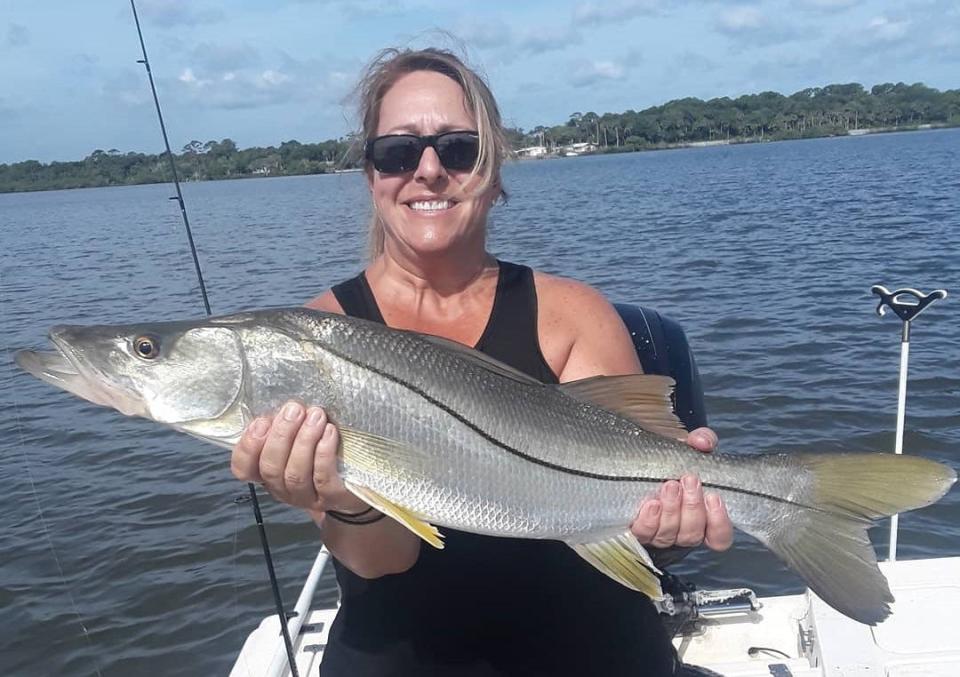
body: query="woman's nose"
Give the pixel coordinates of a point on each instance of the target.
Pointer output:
(430, 168)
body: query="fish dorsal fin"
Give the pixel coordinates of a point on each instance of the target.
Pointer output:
(642, 398)
(623, 559)
(480, 359)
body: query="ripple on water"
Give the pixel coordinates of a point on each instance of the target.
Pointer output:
(764, 253)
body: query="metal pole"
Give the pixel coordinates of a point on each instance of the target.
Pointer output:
(907, 303)
(901, 417)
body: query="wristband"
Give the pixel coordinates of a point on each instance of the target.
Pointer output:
(356, 517)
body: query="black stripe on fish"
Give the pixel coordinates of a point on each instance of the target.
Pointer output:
(547, 464)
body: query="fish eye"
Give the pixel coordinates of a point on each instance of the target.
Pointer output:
(146, 347)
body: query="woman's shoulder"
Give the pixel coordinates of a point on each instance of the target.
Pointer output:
(326, 301)
(561, 291)
(581, 333)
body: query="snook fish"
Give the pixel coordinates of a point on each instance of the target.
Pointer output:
(434, 433)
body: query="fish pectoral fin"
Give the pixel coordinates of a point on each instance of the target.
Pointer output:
(372, 453)
(624, 560)
(421, 528)
(641, 398)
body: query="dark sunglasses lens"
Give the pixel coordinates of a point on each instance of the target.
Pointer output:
(458, 151)
(395, 154)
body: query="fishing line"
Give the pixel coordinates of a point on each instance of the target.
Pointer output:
(47, 533)
(254, 501)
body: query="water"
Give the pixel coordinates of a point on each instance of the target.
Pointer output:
(764, 253)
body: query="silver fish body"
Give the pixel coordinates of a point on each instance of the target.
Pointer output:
(435, 433)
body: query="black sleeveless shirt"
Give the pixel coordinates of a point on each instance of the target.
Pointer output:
(492, 606)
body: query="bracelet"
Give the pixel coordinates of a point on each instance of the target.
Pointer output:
(356, 517)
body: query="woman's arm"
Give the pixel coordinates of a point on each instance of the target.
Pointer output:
(582, 335)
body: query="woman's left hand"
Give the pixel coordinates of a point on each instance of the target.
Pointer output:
(681, 514)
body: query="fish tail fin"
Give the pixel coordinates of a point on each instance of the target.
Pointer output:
(823, 535)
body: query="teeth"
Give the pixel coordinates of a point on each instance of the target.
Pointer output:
(430, 205)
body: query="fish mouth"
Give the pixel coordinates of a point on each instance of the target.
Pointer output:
(63, 369)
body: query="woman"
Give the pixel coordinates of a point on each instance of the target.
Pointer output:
(482, 606)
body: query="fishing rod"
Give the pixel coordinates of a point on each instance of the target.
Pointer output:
(252, 490)
(907, 303)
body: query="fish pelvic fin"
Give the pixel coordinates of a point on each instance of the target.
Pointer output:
(641, 398)
(624, 560)
(826, 541)
(421, 528)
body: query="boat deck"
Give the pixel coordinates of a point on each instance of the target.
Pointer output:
(789, 636)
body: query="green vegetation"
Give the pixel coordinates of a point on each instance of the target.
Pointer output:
(819, 111)
(197, 162)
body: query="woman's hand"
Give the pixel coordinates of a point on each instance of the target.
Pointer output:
(682, 514)
(294, 455)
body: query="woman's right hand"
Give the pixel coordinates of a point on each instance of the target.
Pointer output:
(294, 455)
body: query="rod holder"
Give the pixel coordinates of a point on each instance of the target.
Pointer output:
(905, 309)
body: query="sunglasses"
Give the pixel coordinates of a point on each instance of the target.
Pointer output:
(398, 153)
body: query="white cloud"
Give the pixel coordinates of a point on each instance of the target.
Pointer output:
(540, 40)
(615, 10)
(747, 25)
(882, 29)
(169, 13)
(233, 89)
(827, 5)
(590, 72)
(740, 19)
(283, 80)
(489, 34)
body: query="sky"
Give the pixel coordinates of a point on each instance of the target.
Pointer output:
(265, 71)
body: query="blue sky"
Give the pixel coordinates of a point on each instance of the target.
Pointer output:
(265, 71)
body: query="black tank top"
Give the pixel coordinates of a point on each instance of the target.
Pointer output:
(492, 606)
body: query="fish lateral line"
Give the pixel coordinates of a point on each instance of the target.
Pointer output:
(547, 464)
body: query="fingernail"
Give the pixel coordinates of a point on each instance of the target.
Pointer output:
(713, 502)
(655, 508)
(259, 427)
(671, 490)
(291, 411)
(690, 483)
(314, 415)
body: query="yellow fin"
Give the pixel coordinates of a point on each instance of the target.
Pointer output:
(642, 398)
(423, 529)
(624, 560)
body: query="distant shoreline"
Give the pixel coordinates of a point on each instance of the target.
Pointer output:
(609, 150)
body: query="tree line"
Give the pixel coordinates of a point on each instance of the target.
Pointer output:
(813, 112)
(816, 111)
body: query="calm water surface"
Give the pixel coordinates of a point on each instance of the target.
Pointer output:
(764, 253)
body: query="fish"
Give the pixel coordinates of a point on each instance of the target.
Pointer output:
(437, 435)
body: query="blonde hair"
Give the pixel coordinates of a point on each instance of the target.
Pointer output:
(390, 65)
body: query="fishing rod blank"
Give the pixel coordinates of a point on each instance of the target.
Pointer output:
(278, 600)
(907, 303)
